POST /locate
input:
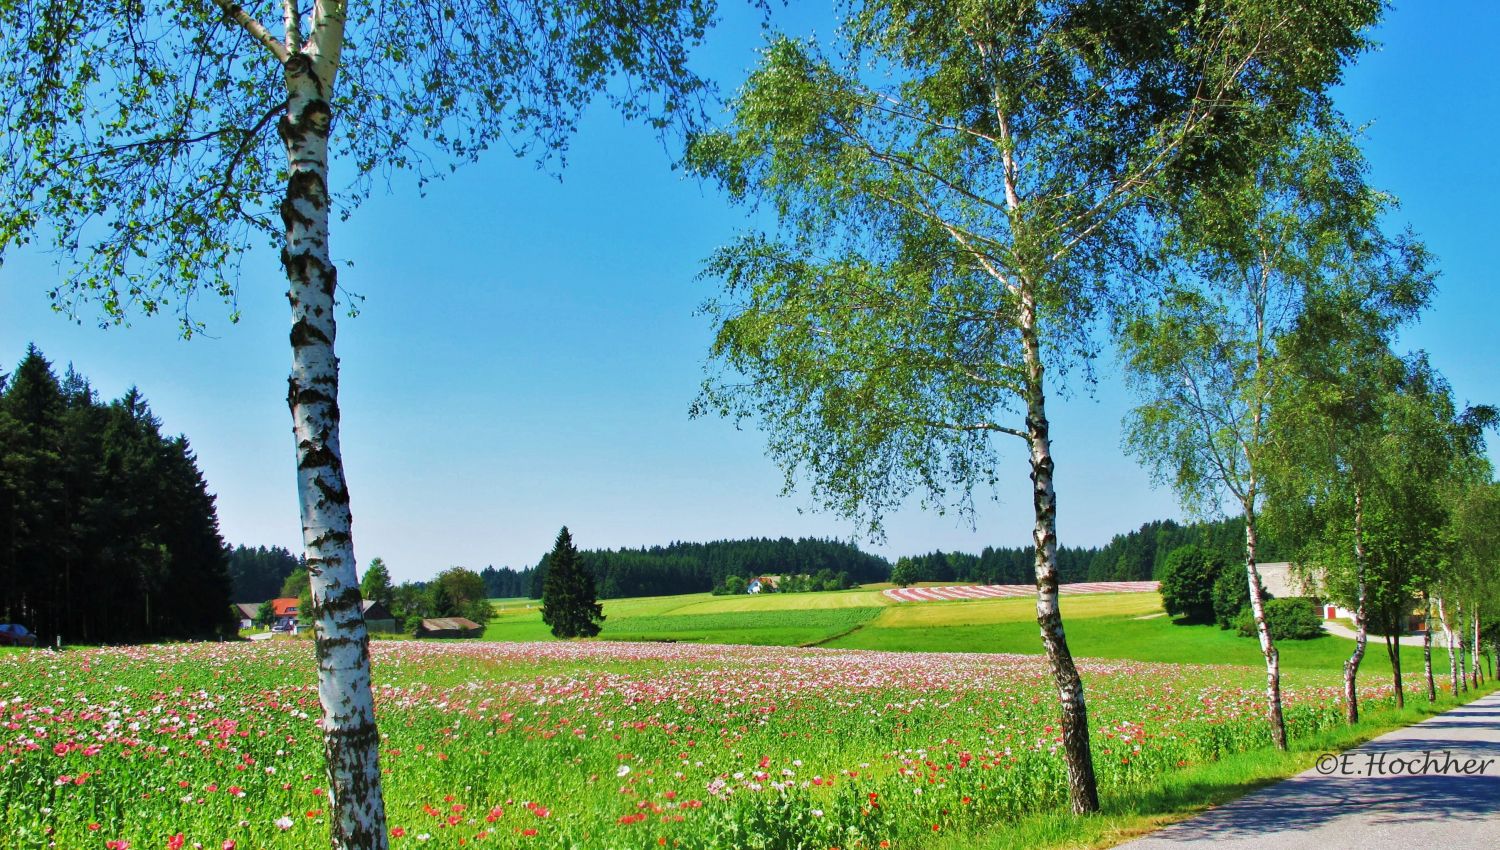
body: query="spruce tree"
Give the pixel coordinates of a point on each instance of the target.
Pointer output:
(569, 603)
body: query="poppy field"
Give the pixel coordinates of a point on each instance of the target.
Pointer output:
(595, 744)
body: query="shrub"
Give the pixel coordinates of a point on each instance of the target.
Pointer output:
(1231, 594)
(1187, 583)
(1292, 618)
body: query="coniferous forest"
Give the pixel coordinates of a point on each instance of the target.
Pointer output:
(107, 530)
(700, 567)
(1133, 556)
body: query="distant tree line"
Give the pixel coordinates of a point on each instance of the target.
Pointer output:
(700, 567)
(1138, 555)
(107, 530)
(506, 583)
(257, 574)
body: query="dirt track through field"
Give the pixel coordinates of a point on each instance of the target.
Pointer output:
(1001, 591)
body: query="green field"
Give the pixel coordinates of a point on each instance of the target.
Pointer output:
(653, 738)
(1129, 626)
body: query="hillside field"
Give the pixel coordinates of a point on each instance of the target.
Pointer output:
(1126, 626)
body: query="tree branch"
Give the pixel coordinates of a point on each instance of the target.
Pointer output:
(256, 29)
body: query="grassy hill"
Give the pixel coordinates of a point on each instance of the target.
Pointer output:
(1123, 625)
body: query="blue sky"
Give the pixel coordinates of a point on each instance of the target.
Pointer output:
(528, 347)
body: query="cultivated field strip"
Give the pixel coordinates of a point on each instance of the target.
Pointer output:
(1000, 591)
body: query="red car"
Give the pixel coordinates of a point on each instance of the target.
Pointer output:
(15, 634)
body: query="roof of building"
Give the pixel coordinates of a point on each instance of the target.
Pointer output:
(366, 605)
(248, 610)
(1281, 580)
(284, 606)
(450, 624)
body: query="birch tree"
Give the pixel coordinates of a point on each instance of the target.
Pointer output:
(153, 143)
(1205, 352)
(1427, 444)
(1472, 586)
(1328, 425)
(956, 186)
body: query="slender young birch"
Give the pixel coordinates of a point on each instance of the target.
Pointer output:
(955, 193)
(156, 143)
(1452, 647)
(1427, 646)
(1209, 354)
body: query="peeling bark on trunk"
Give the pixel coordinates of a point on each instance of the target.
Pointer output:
(1083, 791)
(1263, 630)
(1452, 650)
(350, 740)
(1427, 647)
(1463, 662)
(1361, 616)
(1474, 645)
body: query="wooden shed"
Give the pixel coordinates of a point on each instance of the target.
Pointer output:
(378, 618)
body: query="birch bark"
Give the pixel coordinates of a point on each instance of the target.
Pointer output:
(1474, 646)
(1427, 647)
(1083, 791)
(1361, 614)
(1267, 645)
(350, 739)
(1452, 650)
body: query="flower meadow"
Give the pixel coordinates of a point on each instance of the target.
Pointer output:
(589, 745)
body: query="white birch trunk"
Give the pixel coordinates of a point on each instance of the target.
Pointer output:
(350, 740)
(1427, 647)
(1083, 792)
(1361, 615)
(1452, 650)
(1263, 630)
(1463, 660)
(1474, 648)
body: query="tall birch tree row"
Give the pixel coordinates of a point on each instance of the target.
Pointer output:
(151, 144)
(1468, 594)
(956, 187)
(1206, 352)
(1329, 413)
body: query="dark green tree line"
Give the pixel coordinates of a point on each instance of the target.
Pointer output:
(109, 533)
(1138, 555)
(257, 574)
(700, 567)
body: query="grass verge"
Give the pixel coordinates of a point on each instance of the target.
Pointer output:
(1179, 795)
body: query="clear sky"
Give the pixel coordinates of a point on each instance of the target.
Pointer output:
(528, 347)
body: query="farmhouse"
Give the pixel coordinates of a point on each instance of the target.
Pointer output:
(761, 584)
(244, 613)
(1282, 581)
(284, 613)
(449, 627)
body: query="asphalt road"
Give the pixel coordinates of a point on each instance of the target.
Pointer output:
(1432, 785)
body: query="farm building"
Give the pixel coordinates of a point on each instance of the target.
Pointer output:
(449, 627)
(244, 613)
(1282, 581)
(378, 618)
(284, 613)
(761, 584)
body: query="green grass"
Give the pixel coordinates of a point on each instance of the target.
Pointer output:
(775, 620)
(768, 628)
(1183, 793)
(1104, 626)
